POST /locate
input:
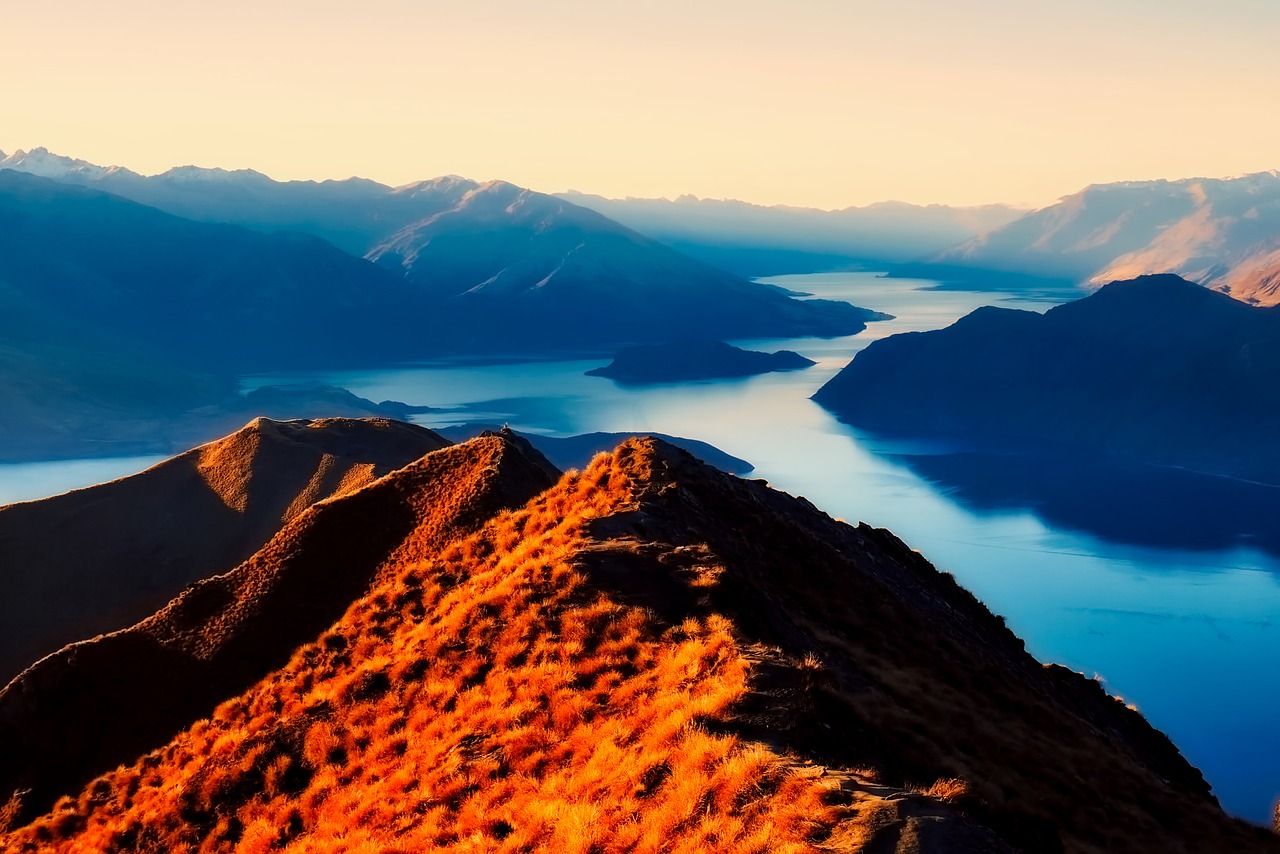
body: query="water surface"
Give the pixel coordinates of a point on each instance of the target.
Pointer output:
(29, 481)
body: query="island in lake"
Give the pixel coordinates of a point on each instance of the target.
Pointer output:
(680, 361)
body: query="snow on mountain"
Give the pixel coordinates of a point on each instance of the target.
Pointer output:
(202, 174)
(42, 162)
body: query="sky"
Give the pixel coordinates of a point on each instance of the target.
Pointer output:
(823, 103)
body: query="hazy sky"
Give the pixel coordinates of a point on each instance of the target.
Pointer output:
(811, 102)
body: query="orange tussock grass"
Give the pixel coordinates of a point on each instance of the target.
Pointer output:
(489, 699)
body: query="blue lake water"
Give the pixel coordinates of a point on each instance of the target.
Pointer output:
(1166, 586)
(29, 481)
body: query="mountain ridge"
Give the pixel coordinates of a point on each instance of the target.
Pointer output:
(557, 675)
(194, 515)
(556, 257)
(226, 631)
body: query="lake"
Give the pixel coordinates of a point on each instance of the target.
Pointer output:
(1165, 585)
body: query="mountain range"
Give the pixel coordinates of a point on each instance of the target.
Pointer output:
(645, 655)
(531, 269)
(358, 215)
(761, 240)
(470, 266)
(1156, 369)
(1221, 233)
(119, 320)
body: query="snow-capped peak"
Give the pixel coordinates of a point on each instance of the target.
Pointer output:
(42, 162)
(201, 174)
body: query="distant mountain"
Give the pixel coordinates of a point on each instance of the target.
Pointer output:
(64, 403)
(357, 214)
(1224, 234)
(760, 240)
(122, 327)
(1156, 369)
(196, 515)
(645, 655)
(353, 214)
(499, 267)
(118, 319)
(681, 361)
(209, 297)
(531, 268)
(1229, 241)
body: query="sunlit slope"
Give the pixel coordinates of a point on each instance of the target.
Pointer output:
(99, 559)
(647, 656)
(1221, 233)
(99, 702)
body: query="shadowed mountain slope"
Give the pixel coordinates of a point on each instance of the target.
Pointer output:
(352, 214)
(491, 268)
(207, 296)
(1155, 369)
(615, 666)
(99, 559)
(536, 269)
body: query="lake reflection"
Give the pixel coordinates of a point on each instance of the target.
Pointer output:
(1123, 503)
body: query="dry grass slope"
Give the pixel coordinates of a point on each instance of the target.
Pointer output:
(187, 518)
(613, 666)
(96, 703)
(489, 699)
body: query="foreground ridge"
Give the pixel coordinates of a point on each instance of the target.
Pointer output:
(99, 559)
(611, 665)
(96, 703)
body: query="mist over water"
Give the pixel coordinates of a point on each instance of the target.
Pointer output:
(1164, 584)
